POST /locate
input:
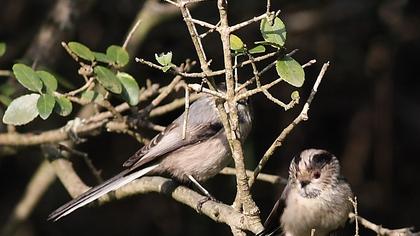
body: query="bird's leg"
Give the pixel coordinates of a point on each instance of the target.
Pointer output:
(204, 191)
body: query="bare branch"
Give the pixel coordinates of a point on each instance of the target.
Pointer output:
(131, 33)
(381, 230)
(248, 22)
(273, 179)
(198, 88)
(202, 23)
(217, 211)
(187, 109)
(303, 116)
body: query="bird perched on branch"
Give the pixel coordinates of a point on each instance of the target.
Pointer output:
(315, 197)
(200, 155)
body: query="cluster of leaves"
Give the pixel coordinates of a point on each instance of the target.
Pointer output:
(274, 34)
(102, 67)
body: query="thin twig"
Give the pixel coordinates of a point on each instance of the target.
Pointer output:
(249, 93)
(130, 34)
(268, 6)
(203, 35)
(354, 203)
(273, 179)
(172, 2)
(202, 23)
(379, 230)
(270, 97)
(187, 109)
(303, 116)
(5, 73)
(81, 89)
(198, 88)
(175, 104)
(248, 22)
(268, 67)
(309, 63)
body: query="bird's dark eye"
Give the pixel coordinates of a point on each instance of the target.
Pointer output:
(316, 175)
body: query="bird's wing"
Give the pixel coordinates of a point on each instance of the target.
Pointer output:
(171, 139)
(272, 223)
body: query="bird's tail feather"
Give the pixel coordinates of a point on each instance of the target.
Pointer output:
(96, 192)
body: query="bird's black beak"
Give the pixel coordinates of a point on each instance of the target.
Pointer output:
(303, 183)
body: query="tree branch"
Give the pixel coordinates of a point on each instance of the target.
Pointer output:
(303, 116)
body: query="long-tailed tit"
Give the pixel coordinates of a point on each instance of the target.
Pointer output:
(199, 156)
(316, 197)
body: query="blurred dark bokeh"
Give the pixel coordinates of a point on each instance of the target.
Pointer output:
(366, 111)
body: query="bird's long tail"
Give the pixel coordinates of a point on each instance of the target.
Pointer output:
(96, 192)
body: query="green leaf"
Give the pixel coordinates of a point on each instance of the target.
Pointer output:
(235, 43)
(295, 95)
(131, 90)
(63, 106)
(27, 77)
(22, 110)
(275, 33)
(290, 71)
(45, 105)
(108, 79)
(118, 55)
(89, 96)
(102, 57)
(257, 49)
(81, 51)
(48, 79)
(164, 59)
(2, 48)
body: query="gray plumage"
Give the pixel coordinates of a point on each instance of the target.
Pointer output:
(202, 154)
(316, 196)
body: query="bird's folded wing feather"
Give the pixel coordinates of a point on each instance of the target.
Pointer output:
(171, 139)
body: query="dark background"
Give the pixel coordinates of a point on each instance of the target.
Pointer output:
(366, 111)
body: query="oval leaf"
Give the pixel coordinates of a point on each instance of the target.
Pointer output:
(118, 55)
(164, 59)
(108, 79)
(275, 33)
(257, 49)
(131, 90)
(235, 43)
(22, 110)
(290, 71)
(48, 80)
(102, 57)
(27, 77)
(81, 51)
(2, 48)
(45, 105)
(63, 106)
